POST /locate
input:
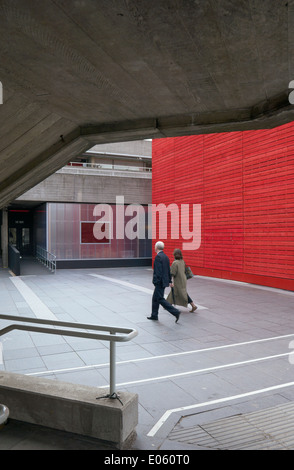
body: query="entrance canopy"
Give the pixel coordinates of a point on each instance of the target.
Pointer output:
(83, 72)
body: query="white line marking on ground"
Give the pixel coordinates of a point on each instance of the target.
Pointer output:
(168, 413)
(134, 286)
(124, 283)
(163, 356)
(37, 306)
(152, 379)
(246, 284)
(208, 369)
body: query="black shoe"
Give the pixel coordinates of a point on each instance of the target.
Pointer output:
(152, 318)
(177, 315)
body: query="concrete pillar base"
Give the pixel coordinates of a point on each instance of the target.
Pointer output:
(70, 407)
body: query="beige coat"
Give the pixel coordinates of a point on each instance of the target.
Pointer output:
(180, 284)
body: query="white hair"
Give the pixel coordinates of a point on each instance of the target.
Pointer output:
(159, 245)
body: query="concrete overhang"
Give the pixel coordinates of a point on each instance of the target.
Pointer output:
(76, 73)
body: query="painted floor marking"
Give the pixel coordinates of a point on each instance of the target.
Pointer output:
(207, 369)
(37, 306)
(168, 413)
(134, 286)
(124, 283)
(93, 366)
(247, 284)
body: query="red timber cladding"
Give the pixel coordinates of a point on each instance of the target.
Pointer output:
(244, 182)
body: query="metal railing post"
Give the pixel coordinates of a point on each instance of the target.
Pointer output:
(112, 372)
(46, 258)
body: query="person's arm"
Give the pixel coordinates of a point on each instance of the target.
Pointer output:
(173, 273)
(157, 272)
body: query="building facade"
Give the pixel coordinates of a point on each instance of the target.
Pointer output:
(64, 214)
(243, 184)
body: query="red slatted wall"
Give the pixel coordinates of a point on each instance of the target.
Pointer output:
(244, 182)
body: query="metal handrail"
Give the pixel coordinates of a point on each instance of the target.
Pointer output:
(112, 337)
(46, 258)
(107, 166)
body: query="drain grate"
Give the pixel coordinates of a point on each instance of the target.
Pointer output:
(270, 429)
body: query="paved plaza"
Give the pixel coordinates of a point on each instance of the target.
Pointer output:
(231, 360)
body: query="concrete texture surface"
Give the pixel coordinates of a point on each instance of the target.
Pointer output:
(80, 410)
(75, 74)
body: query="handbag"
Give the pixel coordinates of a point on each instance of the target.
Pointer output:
(173, 296)
(188, 272)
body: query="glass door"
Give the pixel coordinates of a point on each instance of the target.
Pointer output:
(20, 238)
(25, 241)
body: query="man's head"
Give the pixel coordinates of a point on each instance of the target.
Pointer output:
(159, 246)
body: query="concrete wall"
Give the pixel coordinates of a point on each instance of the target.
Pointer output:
(138, 147)
(92, 186)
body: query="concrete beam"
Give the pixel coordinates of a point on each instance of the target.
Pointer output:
(92, 186)
(120, 71)
(70, 407)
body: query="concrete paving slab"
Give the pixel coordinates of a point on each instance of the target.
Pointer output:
(238, 344)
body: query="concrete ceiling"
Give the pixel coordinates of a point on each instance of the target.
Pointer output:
(81, 72)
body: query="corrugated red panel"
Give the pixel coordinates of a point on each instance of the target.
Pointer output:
(244, 182)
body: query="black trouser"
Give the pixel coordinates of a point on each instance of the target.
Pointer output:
(190, 301)
(158, 299)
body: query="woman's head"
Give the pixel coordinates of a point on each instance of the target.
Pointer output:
(178, 254)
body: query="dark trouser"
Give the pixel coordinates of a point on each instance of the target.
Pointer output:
(158, 299)
(189, 299)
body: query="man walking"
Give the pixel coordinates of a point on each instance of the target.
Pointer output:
(161, 280)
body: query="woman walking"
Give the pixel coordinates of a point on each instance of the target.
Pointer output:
(178, 294)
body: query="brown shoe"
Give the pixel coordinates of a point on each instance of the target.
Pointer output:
(193, 308)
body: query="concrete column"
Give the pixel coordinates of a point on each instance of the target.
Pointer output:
(4, 237)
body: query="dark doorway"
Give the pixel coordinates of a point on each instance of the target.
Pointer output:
(20, 223)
